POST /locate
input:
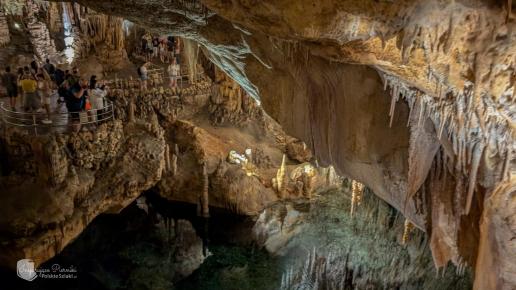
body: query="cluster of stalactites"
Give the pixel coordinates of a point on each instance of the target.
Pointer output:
(104, 28)
(5, 36)
(191, 51)
(17, 7)
(43, 45)
(471, 127)
(357, 190)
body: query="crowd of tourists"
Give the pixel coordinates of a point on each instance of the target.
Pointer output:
(35, 86)
(173, 71)
(168, 50)
(164, 48)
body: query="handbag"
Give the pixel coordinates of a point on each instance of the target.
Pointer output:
(87, 106)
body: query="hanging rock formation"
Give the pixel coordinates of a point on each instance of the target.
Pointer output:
(447, 118)
(4, 30)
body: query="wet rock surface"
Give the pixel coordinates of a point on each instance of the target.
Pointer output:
(438, 59)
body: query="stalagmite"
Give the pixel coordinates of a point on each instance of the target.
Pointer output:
(357, 190)
(175, 155)
(130, 115)
(204, 197)
(408, 226)
(280, 177)
(167, 158)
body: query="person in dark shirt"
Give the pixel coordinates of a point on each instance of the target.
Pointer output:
(50, 68)
(74, 77)
(34, 68)
(93, 82)
(59, 77)
(9, 80)
(76, 98)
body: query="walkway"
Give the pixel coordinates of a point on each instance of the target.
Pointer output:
(61, 118)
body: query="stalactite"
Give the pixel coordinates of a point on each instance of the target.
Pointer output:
(508, 158)
(479, 149)
(5, 37)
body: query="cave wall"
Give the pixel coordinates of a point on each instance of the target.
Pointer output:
(342, 112)
(451, 61)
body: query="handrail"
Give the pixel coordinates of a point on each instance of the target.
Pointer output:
(121, 81)
(60, 119)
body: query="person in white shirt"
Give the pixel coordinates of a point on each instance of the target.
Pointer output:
(97, 101)
(174, 71)
(143, 74)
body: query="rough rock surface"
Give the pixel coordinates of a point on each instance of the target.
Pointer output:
(450, 62)
(59, 183)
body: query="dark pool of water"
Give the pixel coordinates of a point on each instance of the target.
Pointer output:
(126, 251)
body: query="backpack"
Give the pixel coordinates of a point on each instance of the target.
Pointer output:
(51, 69)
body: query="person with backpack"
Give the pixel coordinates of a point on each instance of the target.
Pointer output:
(10, 83)
(50, 68)
(29, 86)
(75, 99)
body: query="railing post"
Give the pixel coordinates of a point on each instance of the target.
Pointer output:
(34, 124)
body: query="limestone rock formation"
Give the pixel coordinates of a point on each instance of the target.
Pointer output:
(447, 63)
(58, 183)
(4, 30)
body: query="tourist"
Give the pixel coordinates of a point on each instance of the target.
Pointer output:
(20, 91)
(44, 92)
(49, 68)
(34, 68)
(162, 52)
(155, 45)
(145, 46)
(9, 81)
(59, 77)
(75, 99)
(74, 77)
(143, 74)
(93, 82)
(29, 86)
(63, 91)
(174, 71)
(97, 101)
(177, 50)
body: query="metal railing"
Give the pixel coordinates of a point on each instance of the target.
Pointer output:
(154, 74)
(34, 120)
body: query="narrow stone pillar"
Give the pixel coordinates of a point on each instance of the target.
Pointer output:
(130, 114)
(168, 166)
(175, 155)
(204, 197)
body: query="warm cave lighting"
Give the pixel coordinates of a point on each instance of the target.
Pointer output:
(69, 51)
(127, 25)
(135, 153)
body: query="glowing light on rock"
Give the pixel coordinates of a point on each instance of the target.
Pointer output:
(69, 51)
